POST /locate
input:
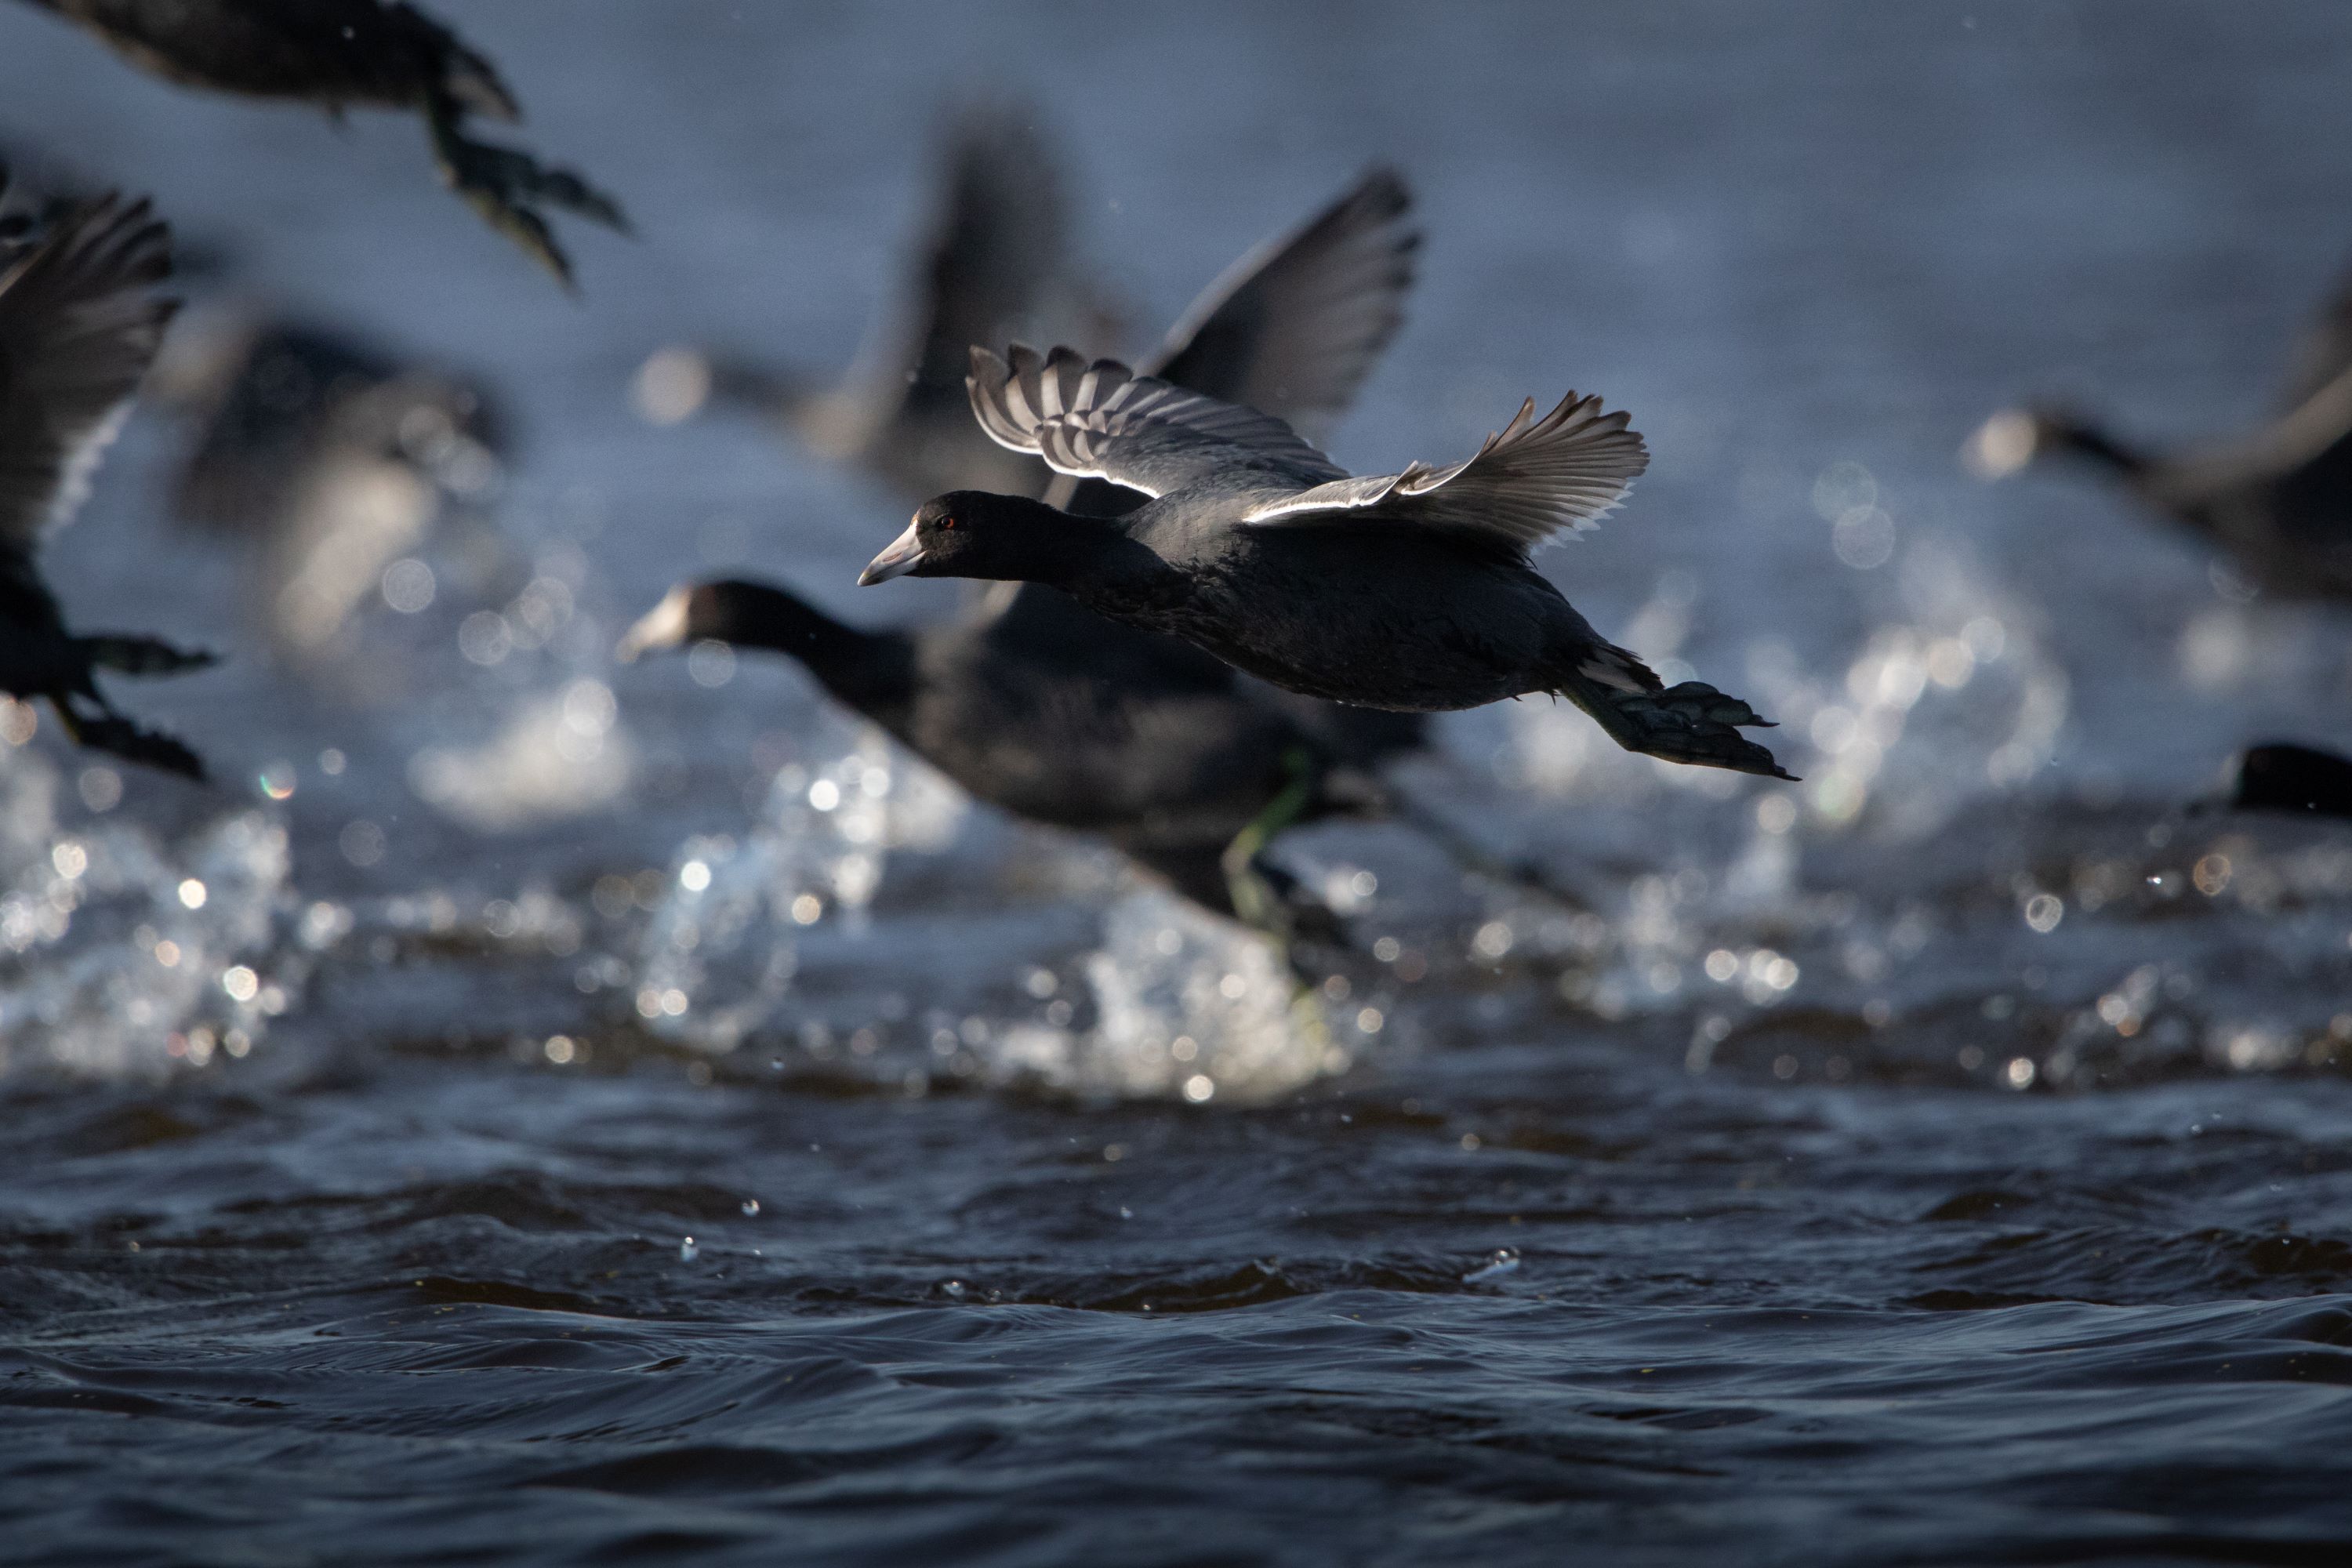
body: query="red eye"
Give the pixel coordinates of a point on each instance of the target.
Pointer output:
(950, 522)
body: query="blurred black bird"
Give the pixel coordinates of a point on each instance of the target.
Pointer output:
(997, 259)
(1410, 592)
(79, 322)
(1031, 703)
(379, 54)
(2278, 500)
(1170, 762)
(2283, 777)
(330, 457)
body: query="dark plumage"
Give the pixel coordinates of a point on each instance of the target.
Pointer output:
(1167, 760)
(2284, 777)
(1035, 705)
(377, 54)
(79, 322)
(2278, 500)
(1409, 591)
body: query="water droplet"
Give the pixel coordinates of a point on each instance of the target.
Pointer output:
(687, 1251)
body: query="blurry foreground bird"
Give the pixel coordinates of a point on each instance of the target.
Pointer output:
(79, 320)
(1410, 592)
(2277, 499)
(379, 54)
(1035, 705)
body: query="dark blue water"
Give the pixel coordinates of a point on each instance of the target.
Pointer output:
(613, 1113)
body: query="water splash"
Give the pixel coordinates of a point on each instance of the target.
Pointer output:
(1185, 1005)
(123, 951)
(560, 754)
(717, 956)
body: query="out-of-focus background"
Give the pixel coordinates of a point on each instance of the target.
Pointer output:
(527, 1011)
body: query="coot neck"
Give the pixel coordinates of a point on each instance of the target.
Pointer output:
(1085, 555)
(2087, 440)
(869, 671)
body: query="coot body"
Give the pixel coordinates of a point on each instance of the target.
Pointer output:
(2277, 499)
(1409, 591)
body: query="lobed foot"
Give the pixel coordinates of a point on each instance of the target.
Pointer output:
(118, 736)
(145, 656)
(507, 187)
(1692, 723)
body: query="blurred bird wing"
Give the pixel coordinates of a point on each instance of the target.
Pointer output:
(78, 326)
(998, 242)
(1102, 421)
(1292, 328)
(1531, 480)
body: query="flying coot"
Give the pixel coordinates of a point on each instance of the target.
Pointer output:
(381, 54)
(1049, 712)
(1410, 592)
(79, 322)
(2278, 500)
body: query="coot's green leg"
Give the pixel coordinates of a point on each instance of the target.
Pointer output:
(1254, 901)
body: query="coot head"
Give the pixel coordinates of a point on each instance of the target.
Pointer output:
(976, 534)
(748, 615)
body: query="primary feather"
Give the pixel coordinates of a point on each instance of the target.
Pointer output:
(1528, 481)
(78, 329)
(1102, 421)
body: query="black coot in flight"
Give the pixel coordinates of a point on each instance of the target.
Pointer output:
(79, 322)
(2277, 499)
(1411, 591)
(1035, 705)
(379, 54)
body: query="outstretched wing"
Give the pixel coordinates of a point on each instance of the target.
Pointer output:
(78, 323)
(995, 263)
(1294, 327)
(1102, 421)
(1566, 470)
